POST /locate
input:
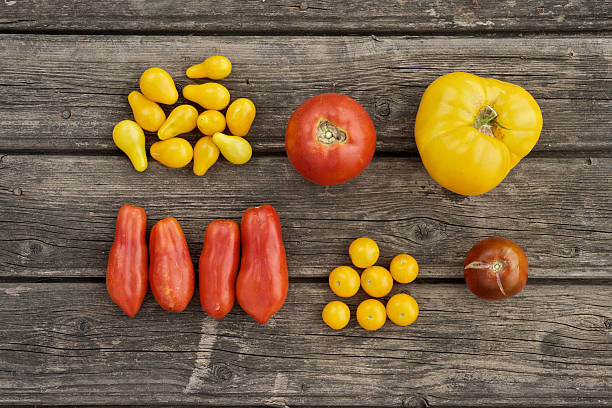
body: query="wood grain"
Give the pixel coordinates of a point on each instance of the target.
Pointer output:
(311, 16)
(548, 346)
(65, 93)
(59, 212)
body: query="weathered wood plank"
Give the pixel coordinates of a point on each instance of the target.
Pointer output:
(65, 93)
(313, 16)
(549, 346)
(58, 212)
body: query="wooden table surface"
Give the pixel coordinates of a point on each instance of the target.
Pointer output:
(65, 73)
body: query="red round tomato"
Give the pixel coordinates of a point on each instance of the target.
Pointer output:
(330, 139)
(495, 268)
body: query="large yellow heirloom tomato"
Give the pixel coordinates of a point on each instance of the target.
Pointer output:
(471, 131)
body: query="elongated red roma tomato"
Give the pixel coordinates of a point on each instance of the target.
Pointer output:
(171, 274)
(218, 267)
(263, 280)
(126, 272)
(330, 139)
(495, 268)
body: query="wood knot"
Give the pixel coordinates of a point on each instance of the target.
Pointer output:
(383, 108)
(84, 326)
(221, 372)
(17, 191)
(66, 114)
(35, 248)
(608, 323)
(303, 5)
(415, 401)
(426, 231)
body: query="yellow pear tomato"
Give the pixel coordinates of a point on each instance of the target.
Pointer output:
(471, 131)
(149, 115)
(234, 148)
(209, 95)
(371, 314)
(157, 85)
(215, 67)
(404, 268)
(376, 281)
(336, 315)
(175, 152)
(181, 120)
(364, 252)
(402, 309)
(211, 122)
(240, 116)
(130, 138)
(344, 281)
(205, 154)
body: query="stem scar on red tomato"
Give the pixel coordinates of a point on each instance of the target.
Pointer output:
(330, 139)
(495, 268)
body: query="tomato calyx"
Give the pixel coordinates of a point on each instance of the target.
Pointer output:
(486, 121)
(496, 267)
(328, 133)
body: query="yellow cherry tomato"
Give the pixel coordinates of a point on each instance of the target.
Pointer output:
(402, 309)
(240, 116)
(209, 96)
(175, 152)
(363, 252)
(215, 67)
(181, 120)
(157, 85)
(344, 281)
(205, 154)
(234, 148)
(404, 268)
(336, 314)
(371, 314)
(376, 281)
(211, 122)
(130, 138)
(471, 131)
(147, 113)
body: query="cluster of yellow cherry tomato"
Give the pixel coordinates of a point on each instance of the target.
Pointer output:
(377, 282)
(157, 86)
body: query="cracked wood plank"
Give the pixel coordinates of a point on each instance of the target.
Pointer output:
(65, 93)
(59, 212)
(311, 16)
(548, 346)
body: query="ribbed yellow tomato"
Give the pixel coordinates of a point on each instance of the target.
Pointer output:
(471, 131)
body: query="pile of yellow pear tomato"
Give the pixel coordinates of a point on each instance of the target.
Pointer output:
(377, 282)
(157, 86)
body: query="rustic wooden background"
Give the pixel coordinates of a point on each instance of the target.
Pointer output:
(65, 73)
